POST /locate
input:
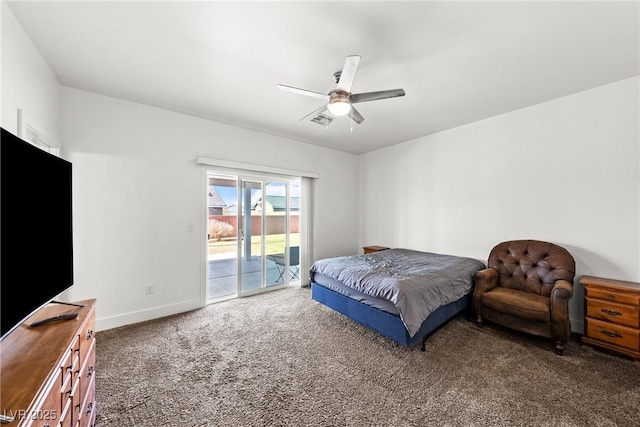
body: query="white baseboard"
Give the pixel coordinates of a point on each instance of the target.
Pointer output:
(110, 322)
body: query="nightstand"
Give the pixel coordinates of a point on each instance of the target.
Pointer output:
(369, 249)
(612, 315)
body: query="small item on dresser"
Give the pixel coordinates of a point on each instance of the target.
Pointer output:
(612, 315)
(66, 316)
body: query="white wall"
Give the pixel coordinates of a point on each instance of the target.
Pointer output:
(565, 171)
(27, 82)
(137, 187)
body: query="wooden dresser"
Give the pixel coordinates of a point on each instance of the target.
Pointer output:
(612, 315)
(48, 371)
(369, 249)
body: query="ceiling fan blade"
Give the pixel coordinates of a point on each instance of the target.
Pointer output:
(372, 96)
(303, 92)
(314, 113)
(348, 73)
(355, 115)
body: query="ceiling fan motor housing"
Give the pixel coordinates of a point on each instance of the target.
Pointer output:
(339, 96)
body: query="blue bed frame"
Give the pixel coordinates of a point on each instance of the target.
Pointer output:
(388, 324)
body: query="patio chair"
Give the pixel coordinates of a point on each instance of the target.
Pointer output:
(281, 263)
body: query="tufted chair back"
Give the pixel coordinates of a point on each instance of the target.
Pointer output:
(531, 265)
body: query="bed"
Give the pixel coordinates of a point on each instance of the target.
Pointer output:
(402, 294)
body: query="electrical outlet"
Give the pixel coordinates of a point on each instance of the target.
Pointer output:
(148, 289)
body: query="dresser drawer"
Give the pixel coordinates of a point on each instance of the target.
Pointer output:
(49, 408)
(613, 296)
(87, 372)
(619, 335)
(87, 336)
(88, 416)
(618, 313)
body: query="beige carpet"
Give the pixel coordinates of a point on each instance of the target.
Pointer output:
(281, 359)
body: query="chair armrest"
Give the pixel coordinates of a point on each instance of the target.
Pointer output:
(485, 280)
(559, 306)
(562, 291)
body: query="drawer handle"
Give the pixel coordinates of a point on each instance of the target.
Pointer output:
(611, 296)
(611, 312)
(89, 408)
(612, 334)
(89, 371)
(89, 334)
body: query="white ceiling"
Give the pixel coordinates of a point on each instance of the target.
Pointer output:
(458, 62)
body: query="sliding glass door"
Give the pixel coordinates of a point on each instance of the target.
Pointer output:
(253, 241)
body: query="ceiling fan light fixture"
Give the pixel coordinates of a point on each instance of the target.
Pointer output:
(339, 108)
(339, 103)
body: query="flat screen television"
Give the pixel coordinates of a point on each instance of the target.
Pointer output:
(35, 228)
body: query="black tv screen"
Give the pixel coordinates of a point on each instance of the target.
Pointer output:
(36, 229)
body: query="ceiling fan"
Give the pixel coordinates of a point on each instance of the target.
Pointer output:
(339, 102)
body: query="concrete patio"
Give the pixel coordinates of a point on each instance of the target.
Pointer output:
(223, 276)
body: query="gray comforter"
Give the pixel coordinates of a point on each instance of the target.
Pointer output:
(417, 283)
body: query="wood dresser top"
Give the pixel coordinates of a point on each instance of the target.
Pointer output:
(610, 283)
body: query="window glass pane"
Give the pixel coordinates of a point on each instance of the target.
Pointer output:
(222, 236)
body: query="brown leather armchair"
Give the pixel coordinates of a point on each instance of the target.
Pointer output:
(527, 286)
